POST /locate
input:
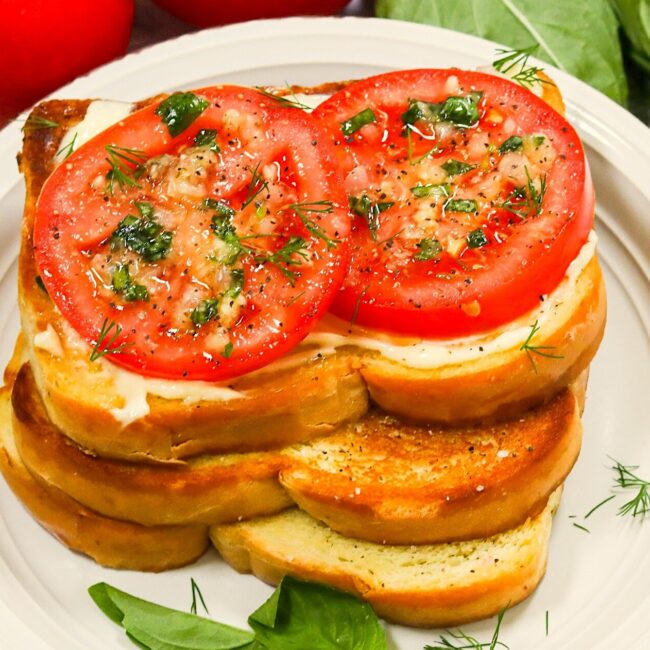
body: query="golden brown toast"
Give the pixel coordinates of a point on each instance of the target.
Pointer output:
(292, 401)
(425, 586)
(387, 482)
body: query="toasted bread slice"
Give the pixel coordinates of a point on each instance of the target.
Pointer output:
(387, 482)
(424, 586)
(206, 490)
(109, 542)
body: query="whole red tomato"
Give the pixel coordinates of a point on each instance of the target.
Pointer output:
(46, 43)
(206, 13)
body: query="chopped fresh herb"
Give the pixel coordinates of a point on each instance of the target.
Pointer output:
(526, 201)
(108, 334)
(540, 350)
(123, 284)
(207, 138)
(467, 642)
(34, 122)
(125, 167)
(460, 111)
(291, 254)
(67, 149)
(145, 209)
(206, 311)
(455, 167)
(40, 284)
(639, 504)
(179, 110)
(434, 190)
(364, 207)
(517, 62)
(288, 101)
(583, 528)
(428, 249)
(513, 143)
(546, 622)
(220, 207)
(463, 205)
(538, 140)
(227, 350)
(315, 207)
(598, 505)
(255, 187)
(357, 121)
(197, 592)
(236, 284)
(357, 304)
(143, 235)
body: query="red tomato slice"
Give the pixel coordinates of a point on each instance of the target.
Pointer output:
(472, 195)
(203, 253)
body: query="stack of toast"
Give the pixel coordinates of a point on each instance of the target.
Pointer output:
(427, 492)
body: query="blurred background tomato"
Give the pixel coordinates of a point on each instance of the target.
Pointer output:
(205, 13)
(46, 43)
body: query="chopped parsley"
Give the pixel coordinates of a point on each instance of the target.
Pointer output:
(179, 110)
(428, 249)
(143, 235)
(461, 205)
(461, 111)
(369, 210)
(431, 190)
(123, 284)
(455, 167)
(513, 143)
(227, 350)
(476, 239)
(207, 138)
(206, 311)
(357, 121)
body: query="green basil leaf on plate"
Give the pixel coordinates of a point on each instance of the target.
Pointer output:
(580, 36)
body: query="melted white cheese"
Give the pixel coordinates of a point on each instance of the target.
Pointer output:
(49, 341)
(100, 115)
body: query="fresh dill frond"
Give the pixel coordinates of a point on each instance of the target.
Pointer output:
(125, 167)
(108, 334)
(515, 62)
(288, 101)
(67, 149)
(34, 122)
(581, 527)
(357, 304)
(255, 187)
(626, 479)
(196, 592)
(540, 350)
(303, 210)
(598, 505)
(291, 254)
(526, 201)
(459, 640)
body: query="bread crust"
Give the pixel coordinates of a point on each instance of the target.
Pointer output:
(207, 490)
(267, 549)
(386, 482)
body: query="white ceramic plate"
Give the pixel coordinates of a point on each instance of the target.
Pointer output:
(596, 590)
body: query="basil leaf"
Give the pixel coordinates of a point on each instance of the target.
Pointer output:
(587, 48)
(353, 124)
(302, 615)
(454, 167)
(476, 239)
(159, 628)
(431, 189)
(460, 205)
(179, 110)
(513, 143)
(428, 249)
(460, 111)
(635, 18)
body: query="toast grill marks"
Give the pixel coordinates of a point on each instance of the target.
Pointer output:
(389, 482)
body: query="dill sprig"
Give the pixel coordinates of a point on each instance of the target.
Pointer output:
(314, 207)
(67, 149)
(468, 642)
(196, 592)
(291, 254)
(288, 101)
(540, 350)
(34, 122)
(108, 334)
(525, 75)
(255, 187)
(126, 167)
(526, 201)
(639, 504)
